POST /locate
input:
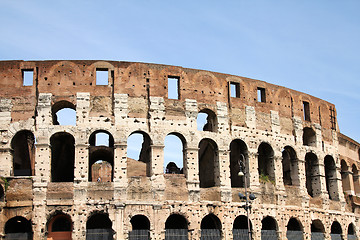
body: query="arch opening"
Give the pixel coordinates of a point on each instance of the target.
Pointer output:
(62, 157)
(60, 227)
(139, 154)
(206, 121)
(356, 179)
(174, 154)
(330, 177)
(64, 113)
(240, 228)
(2, 193)
(208, 163)
(313, 185)
(345, 177)
(351, 232)
(23, 153)
(266, 167)
(269, 228)
(309, 137)
(210, 227)
(238, 149)
(18, 228)
(99, 226)
(290, 167)
(317, 230)
(140, 228)
(294, 229)
(101, 156)
(176, 227)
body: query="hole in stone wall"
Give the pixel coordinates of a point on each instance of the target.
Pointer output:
(138, 154)
(62, 157)
(102, 76)
(208, 163)
(28, 77)
(23, 152)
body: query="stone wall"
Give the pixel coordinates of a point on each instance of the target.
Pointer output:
(308, 171)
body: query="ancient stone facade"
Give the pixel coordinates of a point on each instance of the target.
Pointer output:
(58, 181)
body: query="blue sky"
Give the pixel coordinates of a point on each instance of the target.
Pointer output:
(309, 46)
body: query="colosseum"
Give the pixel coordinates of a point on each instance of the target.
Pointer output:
(267, 162)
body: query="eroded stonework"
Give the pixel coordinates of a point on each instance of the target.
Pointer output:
(57, 181)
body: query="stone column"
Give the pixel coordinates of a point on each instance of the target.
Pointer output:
(119, 221)
(253, 169)
(6, 167)
(157, 171)
(192, 176)
(224, 174)
(120, 171)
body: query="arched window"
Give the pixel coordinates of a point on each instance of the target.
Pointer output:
(210, 227)
(294, 229)
(64, 113)
(345, 177)
(290, 166)
(313, 185)
(99, 226)
(309, 137)
(18, 228)
(336, 230)
(101, 156)
(317, 230)
(208, 163)
(351, 232)
(206, 121)
(23, 152)
(176, 227)
(174, 154)
(138, 154)
(269, 228)
(140, 228)
(240, 228)
(238, 152)
(356, 179)
(62, 157)
(60, 227)
(266, 163)
(330, 177)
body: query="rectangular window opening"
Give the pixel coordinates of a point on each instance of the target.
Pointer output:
(28, 77)
(306, 109)
(173, 87)
(234, 90)
(102, 76)
(261, 97)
